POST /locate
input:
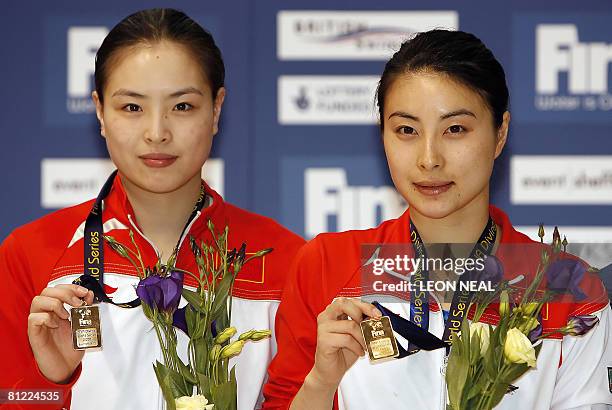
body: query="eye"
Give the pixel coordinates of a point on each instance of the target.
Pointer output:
(183, 106)
(406, 130)
(132, 108)
(455, 129)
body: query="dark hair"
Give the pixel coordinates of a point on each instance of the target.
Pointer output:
(153, 26)
(460, 55)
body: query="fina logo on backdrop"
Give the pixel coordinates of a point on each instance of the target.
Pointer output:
(352, 35)
(562, 68)
(336, 193)
(328, 195)
(70, 51)
(83, 43)
(326, 99)
(559, 51)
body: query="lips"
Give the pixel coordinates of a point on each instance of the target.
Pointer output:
(158, 160)
(433, 188)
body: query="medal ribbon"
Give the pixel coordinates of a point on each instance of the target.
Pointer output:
(419, 300)
(93, 260)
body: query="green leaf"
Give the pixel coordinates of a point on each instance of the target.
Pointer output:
(224, 395)
(498, 391)
(163, 379)
(204, 382)
(190, 318)
(478, 385)
(194, 299)
(492, 356)
(178, 384)
(221, 294)
(474, 348)
(202, 347)
(457, 371)
(185, 372)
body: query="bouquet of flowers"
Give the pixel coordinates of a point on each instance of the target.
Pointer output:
(484, 361)
(206, 377)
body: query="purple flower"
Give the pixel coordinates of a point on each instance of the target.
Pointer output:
(149, 292)
(179, 320)
(580, 325)
(565, 275)
(493, 271)
(536, 332)
(161, 292)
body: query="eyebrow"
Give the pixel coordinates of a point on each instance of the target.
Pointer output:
(129, 93)
(455, 113)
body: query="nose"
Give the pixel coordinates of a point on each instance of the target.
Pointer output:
(429, 157)
(157, 131)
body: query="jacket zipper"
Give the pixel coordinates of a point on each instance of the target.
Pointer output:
(444, 362)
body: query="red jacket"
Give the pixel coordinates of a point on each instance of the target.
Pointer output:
(50, 250)
(329, 266)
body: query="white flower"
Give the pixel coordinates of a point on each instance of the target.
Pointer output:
(518, 348)
(195, 402)
(482, 330)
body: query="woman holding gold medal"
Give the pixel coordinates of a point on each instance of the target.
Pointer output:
(159, 92)
(443, 106)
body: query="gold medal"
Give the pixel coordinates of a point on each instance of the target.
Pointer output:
(379, 338)
(85, 323)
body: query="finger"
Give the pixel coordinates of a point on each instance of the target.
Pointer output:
(354, 308)
(48, 304)
(349, 327)
(69, 294)
(89, 298)
(336, 341)
(43, 319)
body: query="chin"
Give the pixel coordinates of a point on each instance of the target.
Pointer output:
(430, 208)
(434, 212)
(159, 184)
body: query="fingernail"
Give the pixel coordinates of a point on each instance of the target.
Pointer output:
(376, 313)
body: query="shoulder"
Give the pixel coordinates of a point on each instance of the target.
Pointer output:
(582, 290)
(383, 233)
(33, 249)
(334, 259)
(265, 277)
(54, 228)
(264, 226)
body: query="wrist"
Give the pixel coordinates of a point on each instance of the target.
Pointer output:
(315, 382)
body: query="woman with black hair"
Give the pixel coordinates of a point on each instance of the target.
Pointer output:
(443, 106)
(159, 81)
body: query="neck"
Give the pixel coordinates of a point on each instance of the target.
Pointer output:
(462, 226)
(162, 216)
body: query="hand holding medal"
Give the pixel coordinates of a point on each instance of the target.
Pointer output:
(50, 333)
(339, 340)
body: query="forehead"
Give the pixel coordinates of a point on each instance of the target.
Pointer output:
(158, 66)
(431, 91)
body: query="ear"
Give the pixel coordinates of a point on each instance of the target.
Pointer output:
(99, 111)
(217, 104)
(502, 134)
